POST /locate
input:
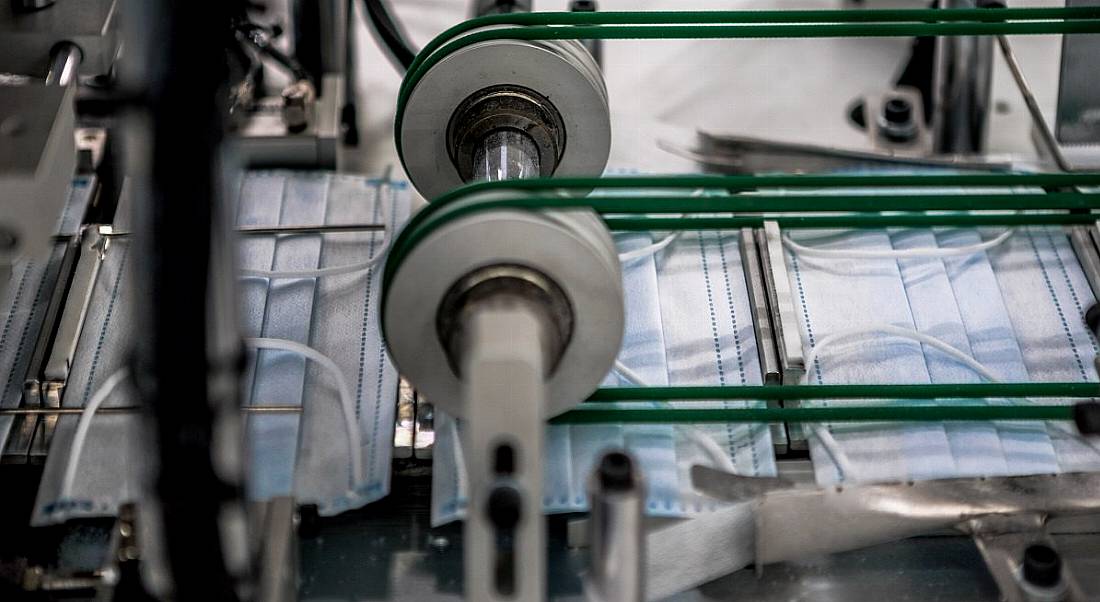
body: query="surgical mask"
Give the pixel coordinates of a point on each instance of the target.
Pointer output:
(688, 323)
(997, 308)
(304, 454)
(23, 301)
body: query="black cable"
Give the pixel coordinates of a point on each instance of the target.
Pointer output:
(258, 38)
(389, 33)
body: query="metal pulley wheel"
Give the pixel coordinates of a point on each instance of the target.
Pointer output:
(551, 92)
(570, 260)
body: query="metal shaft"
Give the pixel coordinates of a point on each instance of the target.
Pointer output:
(617, 531)
(1040, 123)
(961, 88)
(506, 154)
(64, 63)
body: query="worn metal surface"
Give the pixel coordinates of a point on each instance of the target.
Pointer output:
(28, 37)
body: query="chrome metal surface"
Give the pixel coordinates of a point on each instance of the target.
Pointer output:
(65, 61)
(93, 248)
(506, 155)
(756, 285)
(616, 525)
(962, 81)
(761, 316)
(508, 127)
(783, 318)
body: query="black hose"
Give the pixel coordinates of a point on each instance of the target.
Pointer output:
(389, 33)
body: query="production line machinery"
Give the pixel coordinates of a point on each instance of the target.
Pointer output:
(502, 302)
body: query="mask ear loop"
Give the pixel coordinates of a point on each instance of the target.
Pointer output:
(108, 387)
(708, 446)
(930, 252)
(83, 424)
(334, 270)
(660, 245)
(940, 345)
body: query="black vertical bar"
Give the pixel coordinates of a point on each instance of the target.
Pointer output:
(184, 67)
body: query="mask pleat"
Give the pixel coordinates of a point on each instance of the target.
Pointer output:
(280, 375)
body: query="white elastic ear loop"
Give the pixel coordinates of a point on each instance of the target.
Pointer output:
(709, 447)
(658, 246)
(354, 444)
(863, 331)
(896, 253)
(83, 424)
(946, 348)
(334, 270)
(108, 387)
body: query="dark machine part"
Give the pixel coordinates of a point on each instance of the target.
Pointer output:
(896, 121)
(595, 47)
(27, 6)
(504, 133)
(390, 33)
(497, 7)
(1042, 566)
(349, 120)
(64, 63)
(187, 363)
(307, 38)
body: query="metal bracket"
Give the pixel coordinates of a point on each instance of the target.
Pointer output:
(763, 326)
(781, 303)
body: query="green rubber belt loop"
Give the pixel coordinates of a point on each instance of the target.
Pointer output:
(830, 414)
(436, 215)
(779, 181)
(745, 24)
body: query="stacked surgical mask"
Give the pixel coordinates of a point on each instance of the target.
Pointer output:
(1017, 309)
(688, 323)
(305, 454)
(23, 301)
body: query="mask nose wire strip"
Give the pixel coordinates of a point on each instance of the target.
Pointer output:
(943, 346)
(108, 387)
(84, 423)
(334, 270)
(896, 254)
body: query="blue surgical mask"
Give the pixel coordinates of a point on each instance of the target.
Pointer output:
(999, 307)
(23, 301)
(304, 454)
